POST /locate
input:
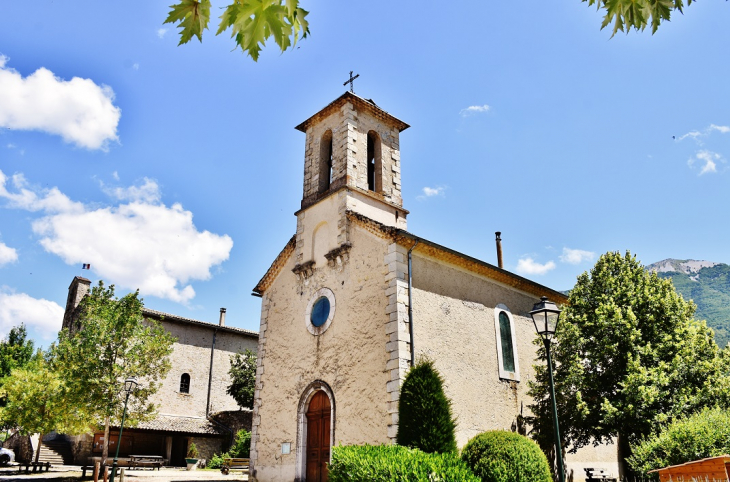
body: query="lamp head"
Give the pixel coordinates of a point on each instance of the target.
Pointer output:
(545, 314)
(130, 384)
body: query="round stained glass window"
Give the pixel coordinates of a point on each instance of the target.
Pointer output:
(320, 311)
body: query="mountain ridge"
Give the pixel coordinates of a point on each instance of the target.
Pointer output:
(707, 284)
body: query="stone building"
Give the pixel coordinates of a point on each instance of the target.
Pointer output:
(354, 298)
(193, 405)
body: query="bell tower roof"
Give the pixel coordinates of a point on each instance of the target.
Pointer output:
(360, 104)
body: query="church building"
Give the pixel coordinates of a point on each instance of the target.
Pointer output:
(354, 298)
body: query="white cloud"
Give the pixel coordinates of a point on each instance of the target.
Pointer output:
(7, 254)
(135, 66)
(721, 129)
(148, 192)
(530, 266)
(80, 111)
(141, 244)
(24, 198)
(431, 192)
(708, 159)
(16, 308)
(474, 109)
(576, 256)
(115, 175)
(161, 32)
(692, 135)
(698, 136)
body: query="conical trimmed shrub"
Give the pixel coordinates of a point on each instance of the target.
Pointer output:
(424, 411)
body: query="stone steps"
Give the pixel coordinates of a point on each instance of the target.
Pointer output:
(56, 452)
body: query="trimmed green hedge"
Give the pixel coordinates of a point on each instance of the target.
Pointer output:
(501, 456)
(697, 436)
(368, 463)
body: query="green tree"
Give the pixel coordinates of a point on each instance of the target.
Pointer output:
(243, 378)
(38, 401)
(15, 350)
(112, 341)
(424, 412)
(629, 357)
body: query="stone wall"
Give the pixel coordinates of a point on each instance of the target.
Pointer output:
(21, 445)
(191, 355)
(240, 419)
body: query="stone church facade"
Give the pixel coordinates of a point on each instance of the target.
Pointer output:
(354, 298)
(193, 406)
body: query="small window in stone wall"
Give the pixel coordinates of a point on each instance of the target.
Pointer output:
(506, 344)
(185, 383)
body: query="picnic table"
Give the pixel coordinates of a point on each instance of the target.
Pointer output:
(146, 461)
(598, 475)
(231, 463)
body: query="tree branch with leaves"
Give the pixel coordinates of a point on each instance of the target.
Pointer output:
(252, 22)
(243, 378)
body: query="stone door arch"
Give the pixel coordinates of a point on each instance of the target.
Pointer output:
(315, 432)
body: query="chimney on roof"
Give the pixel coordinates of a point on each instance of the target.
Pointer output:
(222, 321)
(499, 249)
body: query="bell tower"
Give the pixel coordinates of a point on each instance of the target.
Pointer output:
(351, 166)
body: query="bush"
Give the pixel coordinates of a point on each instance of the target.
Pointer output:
(697, 436)
(216, 461)
(241, 448)
(192, 451)
(501, 456)
(424, 412)
(366, 463)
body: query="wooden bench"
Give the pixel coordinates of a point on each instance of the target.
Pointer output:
(235, 464)
(598, 475)
(154, 461)
(37, 467)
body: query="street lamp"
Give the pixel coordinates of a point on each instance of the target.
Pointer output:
(129, 385)
(545, 314)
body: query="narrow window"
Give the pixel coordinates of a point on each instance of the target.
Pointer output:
(375, 171)
(325, 162)
(505, 333)
(185, 383)
(507, 360)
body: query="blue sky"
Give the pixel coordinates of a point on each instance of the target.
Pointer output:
(177, 169)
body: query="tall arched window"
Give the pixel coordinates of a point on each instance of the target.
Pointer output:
(374, 163)
(509, 368)
(185, 383)
(325, 162)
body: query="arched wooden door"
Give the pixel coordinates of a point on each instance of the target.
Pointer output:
(318, 437)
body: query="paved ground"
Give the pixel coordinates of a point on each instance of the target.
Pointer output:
(70, 473)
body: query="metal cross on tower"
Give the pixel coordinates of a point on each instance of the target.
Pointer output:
(352, 79)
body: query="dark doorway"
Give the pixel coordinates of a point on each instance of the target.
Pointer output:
(318, 437)
(178, 452)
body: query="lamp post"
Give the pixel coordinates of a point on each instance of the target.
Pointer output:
(129, 385)
(545, 314)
